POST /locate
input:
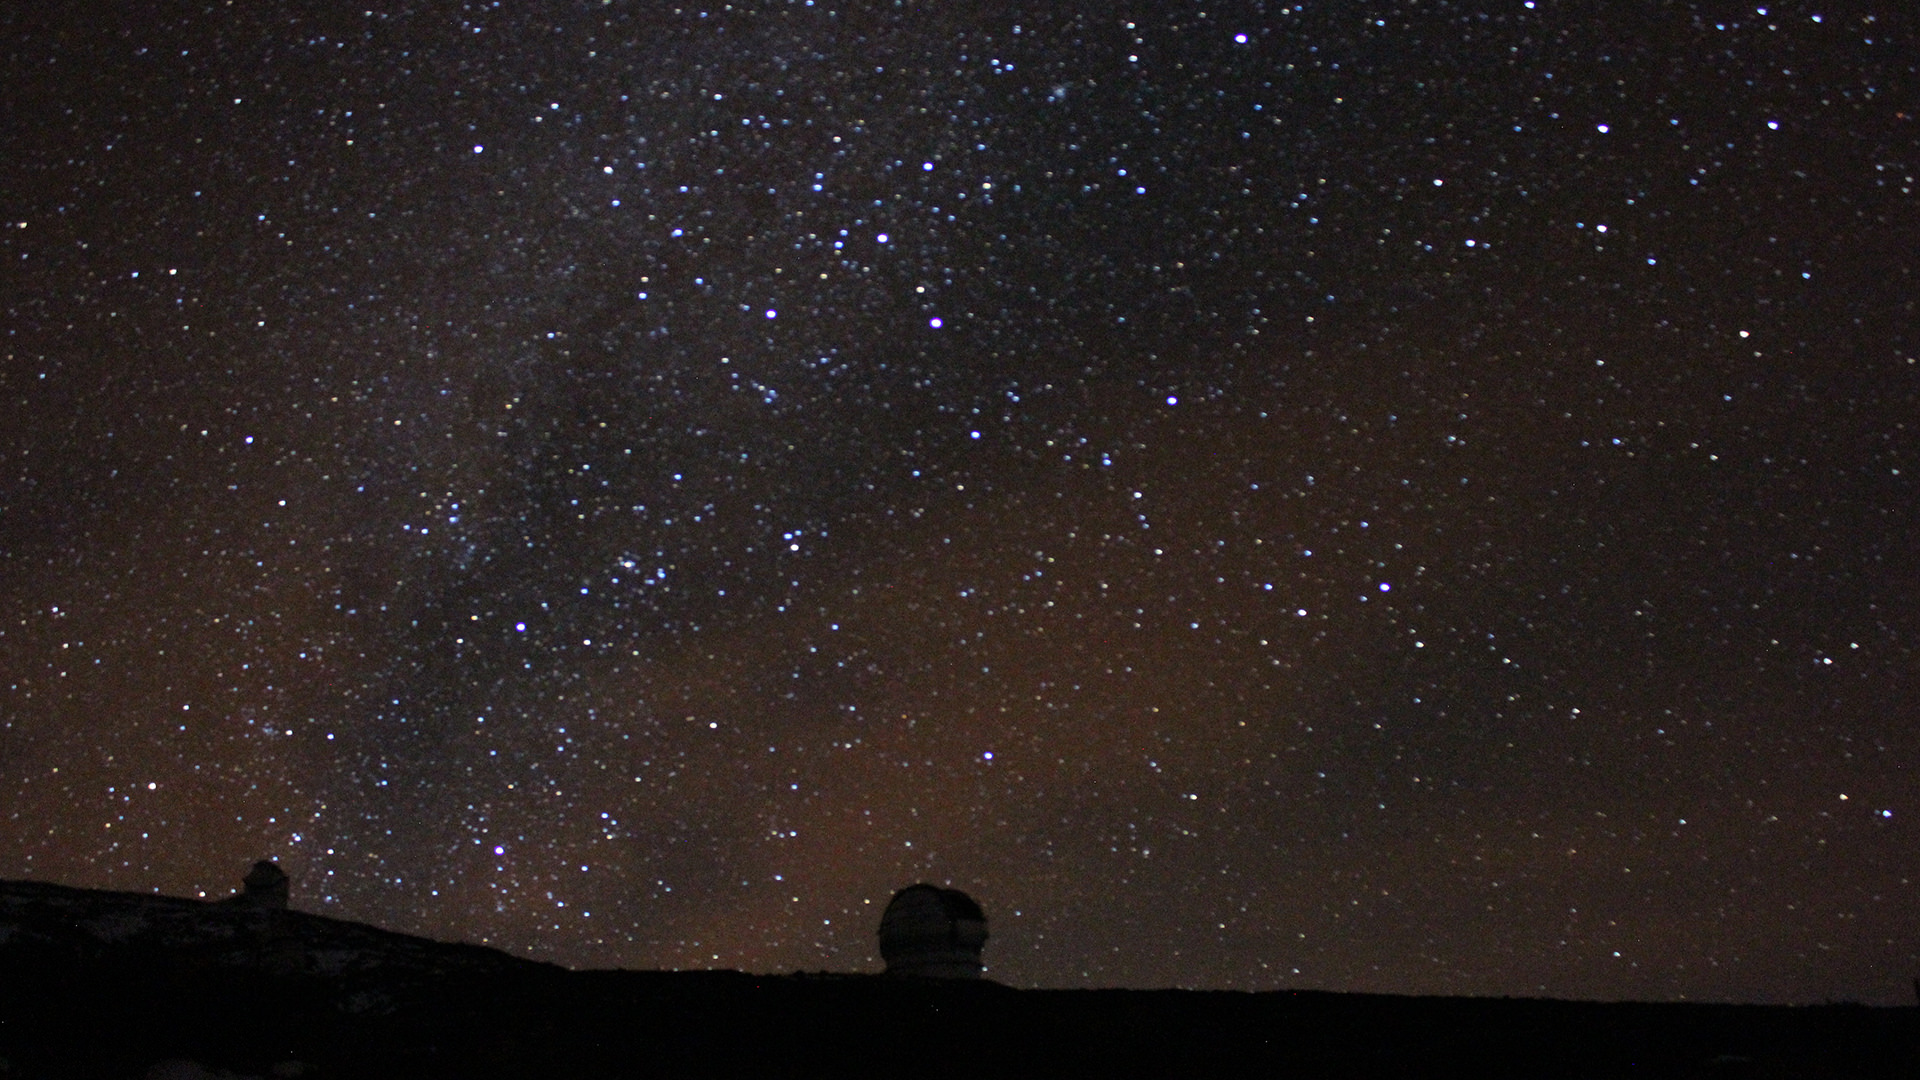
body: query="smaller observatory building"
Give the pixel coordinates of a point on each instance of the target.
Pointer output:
(265, 887)
(929, 932)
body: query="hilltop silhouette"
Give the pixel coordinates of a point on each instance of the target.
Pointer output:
(110, 984)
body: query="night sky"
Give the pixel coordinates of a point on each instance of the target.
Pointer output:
(1407, 497)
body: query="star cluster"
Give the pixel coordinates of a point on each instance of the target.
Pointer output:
(1406, 497)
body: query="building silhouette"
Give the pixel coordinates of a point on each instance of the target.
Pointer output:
(929, 932)
(265, 886)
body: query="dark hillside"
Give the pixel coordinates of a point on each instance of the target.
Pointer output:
(96, 984)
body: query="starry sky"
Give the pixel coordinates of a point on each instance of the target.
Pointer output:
(1412, 497)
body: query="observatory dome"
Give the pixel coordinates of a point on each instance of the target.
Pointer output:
(933, 933)
(265, 886)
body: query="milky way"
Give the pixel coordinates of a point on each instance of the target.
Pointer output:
(1413, 498)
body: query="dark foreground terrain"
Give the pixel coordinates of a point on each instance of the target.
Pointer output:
(96, 984)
